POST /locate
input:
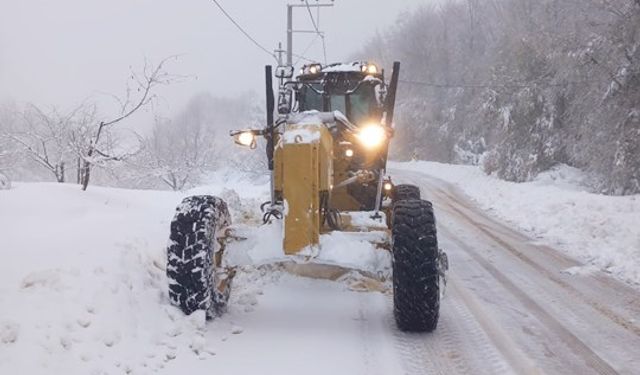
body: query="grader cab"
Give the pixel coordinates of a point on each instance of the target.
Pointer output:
(327, 153)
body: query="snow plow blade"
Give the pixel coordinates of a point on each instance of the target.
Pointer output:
(361, 255)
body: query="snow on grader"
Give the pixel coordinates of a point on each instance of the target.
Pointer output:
(327, 153)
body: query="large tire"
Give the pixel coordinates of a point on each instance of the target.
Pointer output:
(191, 255)
(405, 192)
(416, 281)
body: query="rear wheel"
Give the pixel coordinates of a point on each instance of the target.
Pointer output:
(416, 279)
(191, 255)
(404, 192)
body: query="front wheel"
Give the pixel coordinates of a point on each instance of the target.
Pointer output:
(416, 277)
(192, 262)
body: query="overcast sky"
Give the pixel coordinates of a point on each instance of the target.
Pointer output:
(58, 52)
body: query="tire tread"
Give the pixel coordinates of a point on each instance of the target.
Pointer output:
(416, 289)
(190, 253)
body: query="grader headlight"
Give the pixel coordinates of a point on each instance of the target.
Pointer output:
(245, 138)
(312, 69)
(369, 69)
(372, 136)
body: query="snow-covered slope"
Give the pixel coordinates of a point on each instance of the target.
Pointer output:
(602, 231)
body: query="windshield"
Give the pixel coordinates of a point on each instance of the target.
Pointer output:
(310, 99)
(339, 103)
(358, 106)
(362, 105)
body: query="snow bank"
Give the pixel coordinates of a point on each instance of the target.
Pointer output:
(83, 288)
(602, 231)
(82, 282)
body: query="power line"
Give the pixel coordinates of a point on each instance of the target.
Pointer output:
(301, 56)
(313, 21)
(315, 26)
(465, 86)
(243, 31)
(324, 48)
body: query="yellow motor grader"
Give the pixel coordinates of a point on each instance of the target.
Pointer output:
(327, 153)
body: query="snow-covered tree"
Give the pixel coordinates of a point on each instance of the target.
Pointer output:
(522, 85)
(93, 140)
(8, 149)
(43, 137)
(180, 151)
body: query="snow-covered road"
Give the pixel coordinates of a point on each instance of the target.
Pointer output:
(302, 326)
(85, 293)
(512, 307)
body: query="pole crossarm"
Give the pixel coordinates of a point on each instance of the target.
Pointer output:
(291, 31)
(307, 32)
(310, 5)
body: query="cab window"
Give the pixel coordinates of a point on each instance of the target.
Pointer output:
(361, 104)
(338, 103)
(312, 100)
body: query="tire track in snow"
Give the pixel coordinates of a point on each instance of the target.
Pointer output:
(370, 360)
(486, 349)
(460, 345)
(418, 358)
(592, 359)
(576, 306)
(447, 199)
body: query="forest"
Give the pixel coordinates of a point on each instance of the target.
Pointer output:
(519, 86)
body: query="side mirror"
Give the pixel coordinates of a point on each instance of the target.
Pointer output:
(284, 71)
(285, 97)
(245, 138)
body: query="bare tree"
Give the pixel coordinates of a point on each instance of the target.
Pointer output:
(93, 143)
(182, 150)
(177, 153)
(43, 138)
(7, 147)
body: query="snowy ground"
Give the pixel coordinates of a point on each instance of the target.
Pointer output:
(83, 289)
(602, 231)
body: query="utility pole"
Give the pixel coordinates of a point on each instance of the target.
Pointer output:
(291, 31)
(289, 35)
(280, 52)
